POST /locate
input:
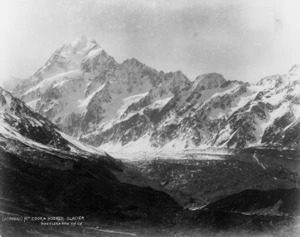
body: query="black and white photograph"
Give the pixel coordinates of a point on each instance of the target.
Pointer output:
(141, 118)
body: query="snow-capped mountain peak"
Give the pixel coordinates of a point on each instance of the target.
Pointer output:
(81, 45)
(209, 81)
(89, 95)
(80, 42)
(81, 82)
(70, 55)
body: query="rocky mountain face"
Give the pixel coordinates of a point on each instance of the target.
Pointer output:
(130, 107)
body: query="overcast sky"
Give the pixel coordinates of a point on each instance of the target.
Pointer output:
(243, 40)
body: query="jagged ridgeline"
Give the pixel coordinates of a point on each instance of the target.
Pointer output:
(129, 106)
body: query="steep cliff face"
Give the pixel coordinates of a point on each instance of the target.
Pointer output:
(129, 106)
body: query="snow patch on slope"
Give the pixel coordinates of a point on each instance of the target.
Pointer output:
(84, 102)
(127, 101)
(74, 143)
(56, 81)
(160, 103)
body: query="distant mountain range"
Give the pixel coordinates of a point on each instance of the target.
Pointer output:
(130, 107)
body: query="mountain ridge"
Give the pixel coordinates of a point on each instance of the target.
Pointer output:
(129, 106)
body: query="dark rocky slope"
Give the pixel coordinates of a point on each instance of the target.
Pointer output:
(78, 187)
(261, 202)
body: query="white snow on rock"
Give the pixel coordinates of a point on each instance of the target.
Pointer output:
(83, 103)
(130, 107)
(9, 129)
(76, 145)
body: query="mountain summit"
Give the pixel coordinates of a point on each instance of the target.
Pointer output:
(81, 87)
(129, 106)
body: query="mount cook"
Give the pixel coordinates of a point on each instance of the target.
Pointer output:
(129, 106)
